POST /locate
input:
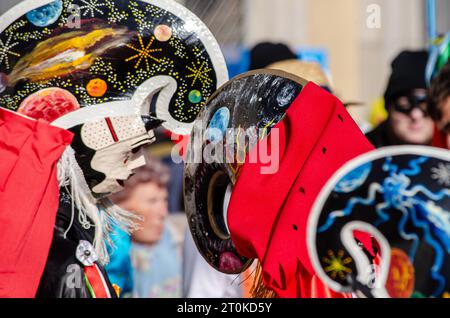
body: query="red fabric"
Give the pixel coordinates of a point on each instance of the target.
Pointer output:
(439, 139)
(29, 151)
(268, 214)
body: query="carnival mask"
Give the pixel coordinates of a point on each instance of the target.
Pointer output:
(84, 59)
(96, 67)
(269, 142)
(238, 115)
(401, 197)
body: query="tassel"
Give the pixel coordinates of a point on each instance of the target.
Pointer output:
(259, 289)
(103, 214)
(113, 216)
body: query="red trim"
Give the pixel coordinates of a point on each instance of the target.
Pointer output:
(97, 282)
(111, 129)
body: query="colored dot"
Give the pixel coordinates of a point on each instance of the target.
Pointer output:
(163, 33)
(97, 87)
(195, 96)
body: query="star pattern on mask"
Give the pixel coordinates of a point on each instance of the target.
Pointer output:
(5, 51)
(199, 73)
(337, 264)
(441, 174)
(92, 6)
(144, 53)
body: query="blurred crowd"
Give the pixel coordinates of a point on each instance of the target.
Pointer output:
(160, 258)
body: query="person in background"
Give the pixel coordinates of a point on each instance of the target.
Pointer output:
(162, 150)
(310, 71)
(406, 102)
(119, 269)
(266, 53)
(200, 280)
(439, 107)
(313, 72)
(156, 264)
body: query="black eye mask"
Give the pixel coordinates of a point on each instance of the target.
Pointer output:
(414, 101)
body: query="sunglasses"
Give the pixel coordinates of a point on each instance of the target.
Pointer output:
(406, 104)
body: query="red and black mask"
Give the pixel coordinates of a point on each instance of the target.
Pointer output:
(256, 205)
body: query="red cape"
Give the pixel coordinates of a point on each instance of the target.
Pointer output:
(29, 193)
(268, 214)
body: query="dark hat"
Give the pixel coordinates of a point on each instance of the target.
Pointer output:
(266, 53)
(408, 73)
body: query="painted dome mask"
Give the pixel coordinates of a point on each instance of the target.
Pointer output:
(400, 196)
(118, 58)
(85, 65)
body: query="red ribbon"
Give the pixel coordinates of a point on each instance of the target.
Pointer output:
(97, 282)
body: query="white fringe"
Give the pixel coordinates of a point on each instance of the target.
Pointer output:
(103, 213)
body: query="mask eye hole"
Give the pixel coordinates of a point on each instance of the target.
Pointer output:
(131, 153)
(136, 150)
(216, 203)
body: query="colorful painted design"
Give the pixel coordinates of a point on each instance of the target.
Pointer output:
(92, 7)
(441, 173)
(65, 54)
(6, 46)
(246, 103)
(49, 104)
(116, 52)
(354, 179)
(97, 87)
(400, 281)
(400, 200)
(46, 15)
(218, 126)
(336, 265)
(163, 33)
(195, 96)
(144, 53)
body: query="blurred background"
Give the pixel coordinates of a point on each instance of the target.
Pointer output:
(354, 41)
(342, 36)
